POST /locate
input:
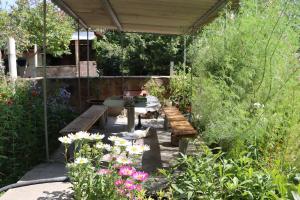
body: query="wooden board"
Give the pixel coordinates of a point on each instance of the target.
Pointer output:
(182, 129)
(176, 117)
(86, 120)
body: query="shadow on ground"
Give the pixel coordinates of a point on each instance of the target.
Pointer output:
(56, 195)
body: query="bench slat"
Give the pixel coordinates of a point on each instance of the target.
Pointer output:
(86, 120)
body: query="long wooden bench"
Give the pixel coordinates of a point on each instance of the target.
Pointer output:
(87, 119)
(180, 128)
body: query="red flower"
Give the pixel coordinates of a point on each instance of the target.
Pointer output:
(34, 93)
(9, 102)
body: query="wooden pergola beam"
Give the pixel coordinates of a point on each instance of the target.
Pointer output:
(112, 14)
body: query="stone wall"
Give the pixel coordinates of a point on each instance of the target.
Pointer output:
(101, 87)
(60, 71)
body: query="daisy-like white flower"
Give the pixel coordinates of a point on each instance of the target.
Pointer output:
(81, 160)
(107, 147)
(122, 142)
(145, 147)
(82, 135)
(65, 140)
(79, 136)
(96, 136)
(72, 136)
(99, 145)
(107, 158)
(123, 160)
(116, 150)
(134, 149)
(113, 138)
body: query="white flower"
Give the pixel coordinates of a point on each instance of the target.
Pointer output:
(145, 147)
(113, 138)
(82, 135)
(96, 136)
(116, 150)
(99, 145)
(107, 147)
(134, 149)
(107, 158)
(123, 160)
(122, 142)
(65, 140)
(79, 135)
(258, 105)
(81, 160)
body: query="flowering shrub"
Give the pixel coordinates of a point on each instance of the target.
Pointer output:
(22, 125)
(102, 171)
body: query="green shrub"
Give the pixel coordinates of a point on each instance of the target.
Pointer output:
(22, 127)
(181, 90)
(211, 176)
(156, 90)
(246, 75)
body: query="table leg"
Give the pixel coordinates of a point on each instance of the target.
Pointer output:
(131, 119)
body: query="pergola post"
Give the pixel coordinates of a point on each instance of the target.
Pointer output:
(45, 80)
(77, 55)
(184, 53)
(88, 62)
(12, 59)
(35, 63)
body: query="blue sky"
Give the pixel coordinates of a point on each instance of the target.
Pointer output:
(5, 4)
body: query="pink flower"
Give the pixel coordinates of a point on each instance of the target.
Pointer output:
(119, 182)
(140, 176)
(129, 185)
(126, 171)
(121, 192)
(104, 171)
(138, 187)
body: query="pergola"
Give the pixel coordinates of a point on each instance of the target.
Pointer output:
(174, 17)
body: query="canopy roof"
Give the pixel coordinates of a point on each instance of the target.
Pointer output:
(154, 16)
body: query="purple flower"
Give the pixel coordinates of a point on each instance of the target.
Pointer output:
(129, 185)
(119, 182)
(140, 176)
(126, 171)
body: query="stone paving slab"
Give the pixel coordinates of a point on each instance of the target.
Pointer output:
(46, 191)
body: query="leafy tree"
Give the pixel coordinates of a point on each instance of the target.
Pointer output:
(137, 54)
(25, 23)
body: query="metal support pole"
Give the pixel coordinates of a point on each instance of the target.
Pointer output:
(184, 55)
(45, 80)
(88, 63)
(78, 65)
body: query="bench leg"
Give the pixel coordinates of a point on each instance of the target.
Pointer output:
(166, 123)
(102, 121)
(183, 145)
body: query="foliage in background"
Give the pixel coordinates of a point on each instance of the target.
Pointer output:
(24, 22)
(156, 90)
(247, 78)
(211, 176)
(137, 54)
(22, 127)
(181, 90)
